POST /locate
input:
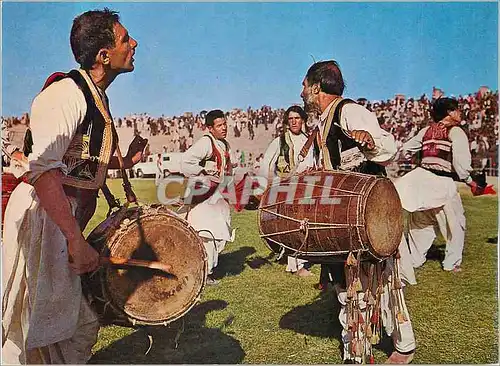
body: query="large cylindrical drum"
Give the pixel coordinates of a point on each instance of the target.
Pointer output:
(136, 296)
(329, 213)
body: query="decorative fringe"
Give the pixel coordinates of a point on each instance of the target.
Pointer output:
(369, 332)
(357, 285)
(351, 260)
(375, 339)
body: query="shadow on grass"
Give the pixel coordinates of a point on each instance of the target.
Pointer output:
(492, 240)
(197, 344)
(258, 262)
(320, 319)
(436, 253)
(233, 263)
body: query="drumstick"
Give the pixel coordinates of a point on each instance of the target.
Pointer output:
(136, 263)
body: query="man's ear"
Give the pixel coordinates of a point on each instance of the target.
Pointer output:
(316, 88)
(103, 56)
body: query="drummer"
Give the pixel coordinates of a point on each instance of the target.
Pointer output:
(210, 157)
(45, 317)
(281, 160)
(350, 138)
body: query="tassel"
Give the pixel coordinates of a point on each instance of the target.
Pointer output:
(357, 285)
(359, 349)
(375, 317)
(351, 324)
(366, 295)
(361, 320)
(372, 359)
(350, 335)
(371, 299)
(375, 339)
(351, 292)
(353, 345)
(369, 332)
(351, 260)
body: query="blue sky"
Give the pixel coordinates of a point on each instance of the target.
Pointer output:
(194, 56)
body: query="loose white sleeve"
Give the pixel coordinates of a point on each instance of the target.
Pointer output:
(460, 152)
(414, 144)
(269, 160)
(201, 150)
(55, 115)
(357, 117)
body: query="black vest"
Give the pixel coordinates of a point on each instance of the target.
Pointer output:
(284, 155)
(91, 148)
(337, 141)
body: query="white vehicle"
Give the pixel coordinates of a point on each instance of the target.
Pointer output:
(170, 163)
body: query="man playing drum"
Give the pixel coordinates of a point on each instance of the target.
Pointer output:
(281, 160)
(210, 157)
(349, 138)
(46, 318)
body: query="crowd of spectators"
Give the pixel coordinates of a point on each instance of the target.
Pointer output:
(401, 116)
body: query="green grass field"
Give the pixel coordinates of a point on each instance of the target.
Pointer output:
(260, 314)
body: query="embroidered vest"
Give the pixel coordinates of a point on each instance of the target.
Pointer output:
(285, 163)
(334, 141)
(91, 148)
(437, 154)
(220, 156)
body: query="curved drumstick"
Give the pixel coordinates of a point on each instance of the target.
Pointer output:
(118, 261)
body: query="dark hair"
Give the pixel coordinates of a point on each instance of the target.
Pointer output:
(90, 32)
(441, 107)
(297, 109)
(212, 116)
(328, 75)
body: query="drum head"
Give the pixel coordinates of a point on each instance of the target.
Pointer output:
(384, 218)
(148, 296)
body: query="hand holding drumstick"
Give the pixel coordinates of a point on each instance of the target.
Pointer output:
(363, 138)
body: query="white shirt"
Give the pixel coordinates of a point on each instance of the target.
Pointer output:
(201, 150)
(357, 117)
(268, 163)
(55, 115)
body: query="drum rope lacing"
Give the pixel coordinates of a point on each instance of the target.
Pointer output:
(315, 225)
(309, 198)
(303, 227)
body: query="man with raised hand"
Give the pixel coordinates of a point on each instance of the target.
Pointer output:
(45, 317)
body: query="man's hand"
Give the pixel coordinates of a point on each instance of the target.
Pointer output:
(363, 138)
(82, 257)
(136, 149)
(17, 155)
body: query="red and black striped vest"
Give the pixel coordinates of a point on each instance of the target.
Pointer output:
(221, 157)
(437, 152)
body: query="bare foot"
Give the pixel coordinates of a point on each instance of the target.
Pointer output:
(303, 272)
(400, 358)
(455, 269)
